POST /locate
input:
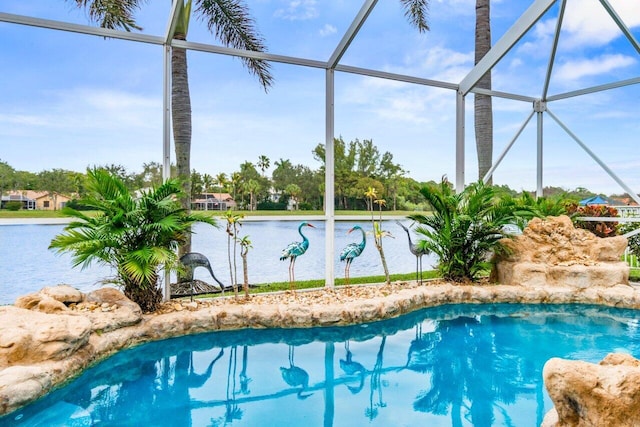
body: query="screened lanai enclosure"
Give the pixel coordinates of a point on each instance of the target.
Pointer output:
(565, 91)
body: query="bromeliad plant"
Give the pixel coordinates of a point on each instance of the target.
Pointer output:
(465, 228)
(136, 235)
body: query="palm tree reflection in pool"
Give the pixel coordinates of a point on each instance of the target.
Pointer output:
(454, 355)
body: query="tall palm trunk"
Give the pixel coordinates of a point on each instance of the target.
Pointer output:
(482, 103)
(181, 117)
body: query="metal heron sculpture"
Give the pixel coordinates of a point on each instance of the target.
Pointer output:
(294, 250)
(417, 251)
(351, 251)
(192, 260)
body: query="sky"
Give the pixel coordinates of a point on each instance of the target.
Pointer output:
(72, 101)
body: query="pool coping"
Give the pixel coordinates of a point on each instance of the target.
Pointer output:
(23, 384)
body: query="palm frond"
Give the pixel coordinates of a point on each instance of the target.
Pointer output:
(112, 14)
(416, 11)
(231, 23)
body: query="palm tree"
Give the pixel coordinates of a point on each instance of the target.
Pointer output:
(252, 187)
(294, 191)
(207, 182)
(222, 181)
(482, 103)
(229, 21)
(136, 235)
(465, 228)
(263, 163)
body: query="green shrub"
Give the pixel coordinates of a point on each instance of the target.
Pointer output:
(13, 206)
(466, 228)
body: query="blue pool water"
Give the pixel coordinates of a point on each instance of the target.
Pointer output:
(458, 365)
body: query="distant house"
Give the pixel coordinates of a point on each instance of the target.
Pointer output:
(213, 202)
(36, 200)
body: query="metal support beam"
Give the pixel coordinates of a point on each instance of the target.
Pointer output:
(506, 42)
(329, 179)
(554, 47)
(351, 32)
(172, 23)
(616, 18)
(626, 188)
(539, 107)
(506, 149)
(459, 141)
(599, 88)
(82, 29)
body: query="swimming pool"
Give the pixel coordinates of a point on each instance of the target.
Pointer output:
(452, 365)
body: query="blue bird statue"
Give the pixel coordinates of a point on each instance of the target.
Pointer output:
(294, 250)
(295, 376)
(351, 251)
(417, 251)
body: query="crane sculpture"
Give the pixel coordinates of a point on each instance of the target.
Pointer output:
(351, 251)
(295, 376)
(417, 251)
(294, 250)
(192, 260)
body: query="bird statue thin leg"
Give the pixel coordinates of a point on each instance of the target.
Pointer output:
(292, 274)
(352, 251)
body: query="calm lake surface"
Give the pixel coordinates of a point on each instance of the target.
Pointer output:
(457, 365)
(27, 265)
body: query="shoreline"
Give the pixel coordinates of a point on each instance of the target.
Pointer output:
(249, 218)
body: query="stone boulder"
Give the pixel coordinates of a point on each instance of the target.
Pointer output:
(552, 252)
(108, 309)
(590, 395)
(30, 337)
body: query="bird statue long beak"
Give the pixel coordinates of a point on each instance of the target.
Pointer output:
(311, 225)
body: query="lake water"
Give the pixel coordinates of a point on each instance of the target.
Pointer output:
(27, 265)
(458, 365)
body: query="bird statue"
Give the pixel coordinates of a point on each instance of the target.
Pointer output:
(351, 251)
(351, 367)
(294, 250)
(417, 251)
(295, 376)
(192, 260)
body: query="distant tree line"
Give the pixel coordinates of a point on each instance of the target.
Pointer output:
(359, 166)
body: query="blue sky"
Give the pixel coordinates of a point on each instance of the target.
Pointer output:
(71, 101)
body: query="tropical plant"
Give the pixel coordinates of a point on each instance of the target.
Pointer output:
(465, 228)
(378, 232)
(245, 245)
(234, 222)
(229, 21)
(600, 229)
(136, 235)
(263, 163)
(294, 191)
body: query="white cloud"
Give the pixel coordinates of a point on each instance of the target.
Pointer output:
(588, 24)
(327, 30)
(573, 70)
(298, 10)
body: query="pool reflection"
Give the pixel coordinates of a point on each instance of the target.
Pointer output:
(456, 365)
